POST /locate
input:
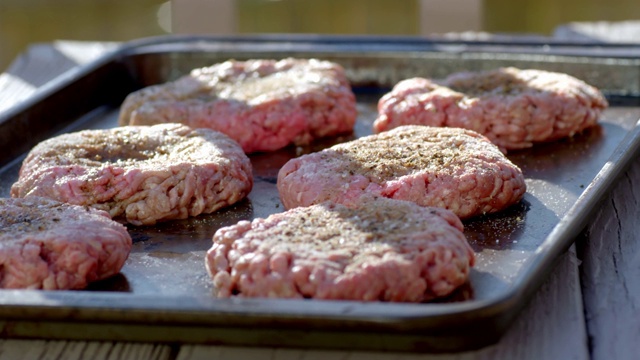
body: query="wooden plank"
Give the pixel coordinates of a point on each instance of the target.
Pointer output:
(610, 255)
(76, 350)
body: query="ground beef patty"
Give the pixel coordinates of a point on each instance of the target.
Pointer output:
(45, 244)
(513, 108)
(142, 173)
(453, 168)
(379, 249)
(262, 104)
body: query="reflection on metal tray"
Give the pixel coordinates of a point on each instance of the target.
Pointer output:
(163, 292)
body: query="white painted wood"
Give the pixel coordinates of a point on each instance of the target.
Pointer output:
(610, 273)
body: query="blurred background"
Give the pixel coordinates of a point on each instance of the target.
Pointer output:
(25, 22)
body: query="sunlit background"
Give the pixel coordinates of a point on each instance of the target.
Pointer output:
(24, 22)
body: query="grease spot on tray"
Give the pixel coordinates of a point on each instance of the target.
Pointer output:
(167, 273)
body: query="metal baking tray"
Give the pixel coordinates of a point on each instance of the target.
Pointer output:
(163, 293)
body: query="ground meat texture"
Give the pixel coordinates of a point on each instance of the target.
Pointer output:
(377, 249)
(143, 174)
(262, 104)
(514, 108)
(453, 168)
(45, 244)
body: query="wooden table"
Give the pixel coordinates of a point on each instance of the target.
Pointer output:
(588, 308)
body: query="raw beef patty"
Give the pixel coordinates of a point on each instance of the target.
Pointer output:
(513, 108)
(379, 249)
(144, 174)
(453, 168)
(262, 104)
(45, 244)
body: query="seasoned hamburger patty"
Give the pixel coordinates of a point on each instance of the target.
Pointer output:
(262, 104)
(375, 249)
(45, 244)
(453, 168)
(144, 174)
(513, 108)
